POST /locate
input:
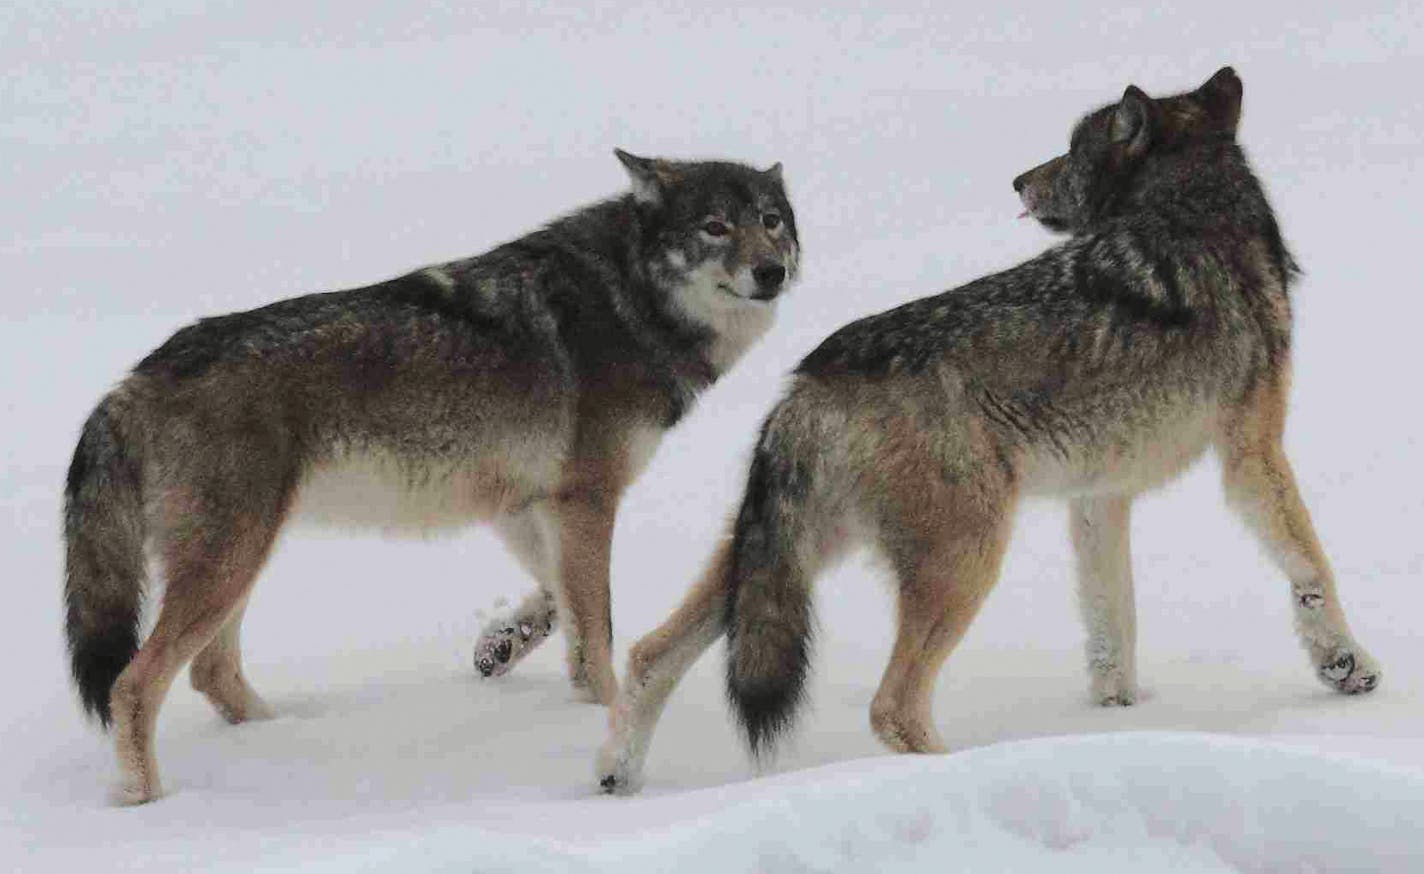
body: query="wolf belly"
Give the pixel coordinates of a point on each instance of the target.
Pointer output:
(1122, 458)
(405, 496)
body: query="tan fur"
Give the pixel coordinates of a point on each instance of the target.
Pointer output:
(1261, 486)
(564, 539)
(217, 673)
(908, 463)
(948, 542)
(655, 664)
(207, 589)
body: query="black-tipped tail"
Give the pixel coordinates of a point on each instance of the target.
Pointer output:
(104, 566)
(769, 611)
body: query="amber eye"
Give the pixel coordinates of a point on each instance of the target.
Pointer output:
(771, 221)
(714, 228)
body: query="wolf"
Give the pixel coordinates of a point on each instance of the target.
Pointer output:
(1100, 369)
(525, 388)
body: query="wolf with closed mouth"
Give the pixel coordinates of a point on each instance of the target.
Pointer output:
(1102, 368)
(525, 387)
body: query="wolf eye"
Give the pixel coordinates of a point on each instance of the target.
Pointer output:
(771, 221)
(714, 228)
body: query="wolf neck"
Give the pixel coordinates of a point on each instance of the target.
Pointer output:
(732, 325)
(1204, 187)
(1207, 192)
(621, 327)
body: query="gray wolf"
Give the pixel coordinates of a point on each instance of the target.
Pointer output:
(1102, 368)
(525, 388)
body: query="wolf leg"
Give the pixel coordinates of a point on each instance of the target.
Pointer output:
(210, 561)
(508, 638)
(1100, 533)
(655, 665)
(217, 673)
(1261, 486)
(585, 530)
(947, 552)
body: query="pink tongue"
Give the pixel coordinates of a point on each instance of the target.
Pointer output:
(1023, 214)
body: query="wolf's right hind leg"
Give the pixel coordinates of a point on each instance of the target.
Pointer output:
(508, 638)
(947, 553)
(655, 664)
(210, 565)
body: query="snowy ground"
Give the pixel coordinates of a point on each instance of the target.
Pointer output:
(163, 164)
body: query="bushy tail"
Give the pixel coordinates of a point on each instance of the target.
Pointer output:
(769, 607)
(104, 556)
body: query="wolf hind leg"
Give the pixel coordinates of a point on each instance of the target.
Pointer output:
(1100, 532)
(509, 637)
(1261, 487)
(217, 673)
(655, 665)
(947, 553)
(211, 558)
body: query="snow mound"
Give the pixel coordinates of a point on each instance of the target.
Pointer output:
(1102, 803)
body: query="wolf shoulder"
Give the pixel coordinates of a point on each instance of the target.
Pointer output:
(1119, 286)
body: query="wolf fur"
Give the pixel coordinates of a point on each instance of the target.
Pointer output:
(525, 387)
(1101, 368)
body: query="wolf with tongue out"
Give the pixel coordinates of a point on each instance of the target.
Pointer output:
(1100, 369)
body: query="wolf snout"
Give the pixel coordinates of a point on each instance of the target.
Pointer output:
(1020, 181)
(769, 278)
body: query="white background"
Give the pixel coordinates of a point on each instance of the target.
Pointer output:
(160, 162)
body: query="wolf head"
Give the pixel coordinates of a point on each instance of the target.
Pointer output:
(720, 241)
(1073, 192)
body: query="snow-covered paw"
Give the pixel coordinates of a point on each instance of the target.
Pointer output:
(1350, 672)
(132, 793)
(1114, 690)
(503, 645)
(616, 771)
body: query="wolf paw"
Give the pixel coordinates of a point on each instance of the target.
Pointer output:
(616, 773)
(503, 645)
(1114, 688)
(1350, 673)
(132, 794)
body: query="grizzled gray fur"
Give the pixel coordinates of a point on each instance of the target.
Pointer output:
(1102, 368)
(524, 387)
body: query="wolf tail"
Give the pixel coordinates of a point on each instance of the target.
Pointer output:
(104, 534)
(769, 605)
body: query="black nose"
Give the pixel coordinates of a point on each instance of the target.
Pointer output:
(769, 276)
(1019, 182)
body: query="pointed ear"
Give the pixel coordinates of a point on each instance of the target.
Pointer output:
(1133, 122)
(648, 175)
(1221, 97)
(774, 171)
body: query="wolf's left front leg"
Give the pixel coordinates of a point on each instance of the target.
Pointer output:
(532, 537)
(585, 538)
(1261, 486)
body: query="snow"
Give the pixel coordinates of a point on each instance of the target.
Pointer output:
(166, 161)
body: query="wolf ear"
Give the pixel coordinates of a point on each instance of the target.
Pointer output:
(774, 173)
(1221, 96)
(650, 176)
(1133, 122)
